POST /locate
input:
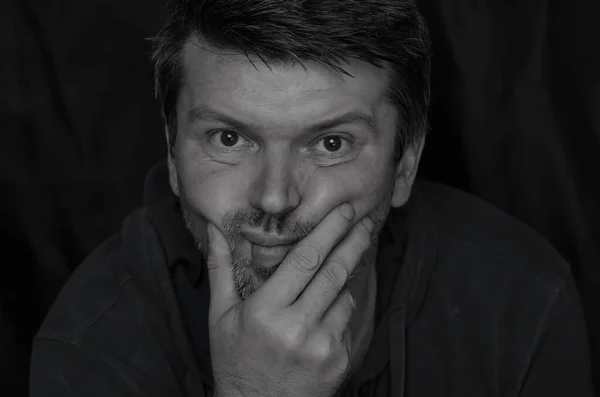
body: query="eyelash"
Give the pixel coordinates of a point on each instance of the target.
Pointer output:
(214, 133)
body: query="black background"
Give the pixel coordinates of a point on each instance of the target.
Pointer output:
(515, 120)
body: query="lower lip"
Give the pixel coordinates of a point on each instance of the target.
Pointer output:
(269, 256)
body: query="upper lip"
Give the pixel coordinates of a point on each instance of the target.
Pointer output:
(266, 240)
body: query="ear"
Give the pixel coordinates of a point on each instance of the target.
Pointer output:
(173, 180)
(406, 172)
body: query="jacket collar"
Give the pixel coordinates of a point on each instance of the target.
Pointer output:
(178, 244)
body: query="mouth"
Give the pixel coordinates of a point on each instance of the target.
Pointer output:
(269, 256)
(268, 250)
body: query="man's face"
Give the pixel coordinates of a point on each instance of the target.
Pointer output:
(255, 157)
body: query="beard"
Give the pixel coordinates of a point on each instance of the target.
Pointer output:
(248, 275)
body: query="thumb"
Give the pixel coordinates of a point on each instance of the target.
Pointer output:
(223, 294)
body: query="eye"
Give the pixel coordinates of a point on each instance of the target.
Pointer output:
(227, 139)
(333, 145)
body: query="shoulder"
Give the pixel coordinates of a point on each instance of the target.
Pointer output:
(119, 316)
(500, 298)
(110, 288)
(472, 231)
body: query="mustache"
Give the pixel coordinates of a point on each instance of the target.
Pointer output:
(233, 222)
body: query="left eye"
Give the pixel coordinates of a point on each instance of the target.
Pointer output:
(332, 144)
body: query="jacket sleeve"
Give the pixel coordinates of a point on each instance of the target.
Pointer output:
(62, 369)
(560, 363)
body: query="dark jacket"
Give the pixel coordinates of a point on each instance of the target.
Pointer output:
(470, 302)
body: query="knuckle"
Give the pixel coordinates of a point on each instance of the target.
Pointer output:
(256, 317)
(364, 245)
(215, 257)
(212, 259)
(364, 238)
(368, 225)
(337, 273)
(342, 364)
(307, 257)
(323, 348)
(294, 337)
(211, 262)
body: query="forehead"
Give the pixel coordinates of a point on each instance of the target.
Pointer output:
(231, 80)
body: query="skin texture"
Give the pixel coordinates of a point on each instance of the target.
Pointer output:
(278, 178)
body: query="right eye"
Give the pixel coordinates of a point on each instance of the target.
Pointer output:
(227, 140)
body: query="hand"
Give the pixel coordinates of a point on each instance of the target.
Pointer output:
(291, 337)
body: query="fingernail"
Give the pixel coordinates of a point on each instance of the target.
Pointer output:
(347, 210)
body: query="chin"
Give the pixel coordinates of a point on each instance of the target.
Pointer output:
(248, 276)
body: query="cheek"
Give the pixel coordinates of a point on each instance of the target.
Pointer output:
(211, 189)
(364, 186)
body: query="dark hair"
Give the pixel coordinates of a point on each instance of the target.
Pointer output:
(330, 32)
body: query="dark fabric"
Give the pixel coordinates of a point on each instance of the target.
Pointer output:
(481, 305)
(514, 120)
(79, 131)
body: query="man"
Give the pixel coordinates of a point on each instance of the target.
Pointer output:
(298, 256)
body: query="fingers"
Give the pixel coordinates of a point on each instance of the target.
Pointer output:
(334, 332)
(223, 294)
(333, 275)
(301, 264)
(338, 316)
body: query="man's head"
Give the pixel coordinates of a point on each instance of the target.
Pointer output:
(277, 111)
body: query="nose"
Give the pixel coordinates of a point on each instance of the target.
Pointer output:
(275, 190)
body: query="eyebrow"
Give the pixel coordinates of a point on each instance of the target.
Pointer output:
(205, 113)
